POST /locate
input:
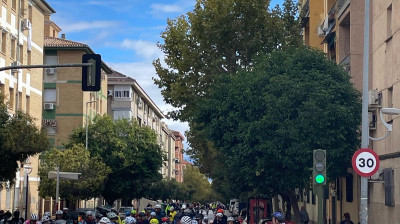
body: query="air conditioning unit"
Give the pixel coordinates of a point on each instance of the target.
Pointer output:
(49, 106)
(26, 24)
(109, 92)
(373, 97)
(50, 71)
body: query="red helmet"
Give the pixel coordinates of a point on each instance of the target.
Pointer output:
(220, 211)
(164, 219)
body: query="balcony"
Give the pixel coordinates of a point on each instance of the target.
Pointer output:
(305, 13)
(341, 6)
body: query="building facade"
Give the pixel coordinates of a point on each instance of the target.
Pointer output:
(178, 156)
(22, 25)
(127, 99)
(384, 190)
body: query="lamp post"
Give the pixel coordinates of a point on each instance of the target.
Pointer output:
(27, 171)
(87, 126)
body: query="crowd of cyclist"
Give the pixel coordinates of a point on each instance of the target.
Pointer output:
(159, 214)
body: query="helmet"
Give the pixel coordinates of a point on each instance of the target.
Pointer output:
(231, 219)
(127, 213)
(154, 221)
(153, 214)
(186, 220)
(164, 219)
(278, 215)
(105, 220)
(184, 206)
(219, 214)
(130, 220)
(133, 212)
(220, 211)
(45, 218)
(111, 215)
(157, 206)
(171, 208)
(142, 214)
(34, 217)
(48, 214)
(89, 213)
(59, 212)
(65, 209)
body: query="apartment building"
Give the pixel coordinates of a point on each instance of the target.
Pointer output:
(337, 28)
(178, 155)
(21, 42)
(127, 99)
(384, 197)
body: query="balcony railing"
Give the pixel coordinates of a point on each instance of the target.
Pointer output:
(329, 23)
(341, 6)
(305, 13)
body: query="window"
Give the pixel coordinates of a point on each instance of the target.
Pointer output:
(389, 21)
(349, 188)
(12, 97)
(29, 59)
(20, 101)
(13, 47)
(21, 54)
(123, 114)
(122, 91)
(3, 42)
(28, 104)
(50, 96)
(14, 4)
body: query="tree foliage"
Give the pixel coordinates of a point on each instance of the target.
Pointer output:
(75, 159)
(268, 121)
(19, 139)
(132, 153)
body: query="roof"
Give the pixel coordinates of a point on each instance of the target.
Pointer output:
(47, 9)
(117, 78)
(63, 44)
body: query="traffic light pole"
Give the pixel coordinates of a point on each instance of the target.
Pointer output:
(319, 189)
(364, 124)
(44, 66)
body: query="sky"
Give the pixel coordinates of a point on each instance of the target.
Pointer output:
(125, 33)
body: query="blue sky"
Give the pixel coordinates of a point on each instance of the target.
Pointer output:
(125, 33)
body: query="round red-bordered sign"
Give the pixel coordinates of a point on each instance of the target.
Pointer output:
(365, 162)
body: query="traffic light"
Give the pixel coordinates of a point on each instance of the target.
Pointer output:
(91, 75)
(319, 167)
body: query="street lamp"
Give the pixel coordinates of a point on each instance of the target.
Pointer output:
(389, 111)
(87, 126)
(27, 171)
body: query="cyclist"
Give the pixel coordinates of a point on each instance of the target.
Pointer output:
(153, 218)
(172, 213)
(277, 217)
(104, 220)
(32, 220)
(113, 217)
(89, 218)
(45, 220)
(159, 213)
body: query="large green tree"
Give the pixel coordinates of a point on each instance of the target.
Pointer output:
(75, 159)
(267, 121)
(132, 152)
(218, 37)
(19, 139)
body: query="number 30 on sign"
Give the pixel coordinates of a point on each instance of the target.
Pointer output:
(365, 162)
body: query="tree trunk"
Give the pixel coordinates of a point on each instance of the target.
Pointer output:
(288, 209)
(295, 206)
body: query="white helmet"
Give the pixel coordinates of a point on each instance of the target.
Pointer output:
(220, 215)
(186, 220)
(157, 206)
(45, 218)
(105, 220)
(184, 206)
(34, 217)
(47, 214)
(89, 213)
(111, 215)
(59, 212)
(231, 219)
(130, 220)
(171, 208)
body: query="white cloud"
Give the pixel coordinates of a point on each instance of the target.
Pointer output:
(146, 49)
(156, 9)
(84, 25)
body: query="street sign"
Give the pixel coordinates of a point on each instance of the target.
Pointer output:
(365, 162)
(64, 175)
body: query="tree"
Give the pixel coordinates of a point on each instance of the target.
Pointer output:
(19, 139)
(219, 37)
(132, 152)
(268, 121)
(197, 186)
(75, 159)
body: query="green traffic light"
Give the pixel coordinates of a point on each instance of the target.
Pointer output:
(320, 179)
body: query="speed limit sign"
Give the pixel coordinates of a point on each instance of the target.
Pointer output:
(365, 162)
